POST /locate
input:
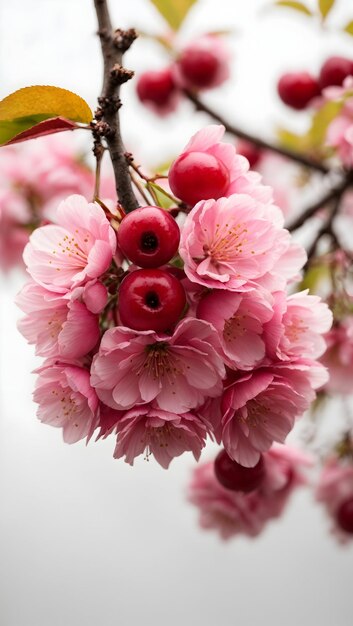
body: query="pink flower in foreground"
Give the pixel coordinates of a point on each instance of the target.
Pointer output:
(233, 513)
(296, 329)
(58, 325)
(66, 400)
(261, 407)
(338, 357)
(335, 487)
(179, 372)
(231, 243)
(239, 319)
(76, 249)
(150, 430)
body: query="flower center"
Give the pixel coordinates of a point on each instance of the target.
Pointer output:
(227, 242)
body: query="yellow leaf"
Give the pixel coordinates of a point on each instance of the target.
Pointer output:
(349, 28)
(174, 11)
(325, 7)
(292, 4)
(45, 102)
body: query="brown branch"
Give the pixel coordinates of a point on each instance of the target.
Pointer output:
(113, 45)
(261, 143)
(326, 229)
(332, 194)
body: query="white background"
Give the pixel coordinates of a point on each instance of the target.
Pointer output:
(86, 540)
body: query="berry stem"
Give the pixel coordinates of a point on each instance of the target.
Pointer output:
(261, 143)
(113, 45)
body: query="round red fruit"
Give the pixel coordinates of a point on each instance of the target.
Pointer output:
(151, 299)
(334, 71)
(196, 176)
(297, 89)
(149, 236)
(200, 67)
(157, 88)
(345, 516)
(234, 476)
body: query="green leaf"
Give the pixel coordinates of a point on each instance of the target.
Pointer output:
(163, 197)
(174, 11)
(29, 106)
(290, 140)
(349, 28)
(297, 6)
(322, 118)
(325, 7)
(314, 277)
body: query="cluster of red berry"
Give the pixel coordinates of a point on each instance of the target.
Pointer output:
(298, 89)
(200, 65)
(151, 298)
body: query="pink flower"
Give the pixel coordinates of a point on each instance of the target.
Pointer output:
(150, 430)
(296, 329)
(335, 487)
(239, 319)
(80, 247)
(338, 357)
(232, 243)
(59, 325)
(233, 513)
(339, 133)
(66, 399)
(178, 372)
(261, 407)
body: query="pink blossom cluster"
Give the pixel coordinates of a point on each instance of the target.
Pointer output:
(34, 178)
(239, 365)
(335, 492)
(232, 513)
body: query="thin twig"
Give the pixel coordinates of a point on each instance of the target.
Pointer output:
(113, 45)
(326, 229)
(332, 194)
(261, 143)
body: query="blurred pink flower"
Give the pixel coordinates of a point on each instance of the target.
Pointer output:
(232, 243)
(338, 357)
(239, 319)
(179, 372)
(76, 249)
(261, 407)
(59, 325)
(335, 487)
(150, 430)
(66, 399)
(233, 513)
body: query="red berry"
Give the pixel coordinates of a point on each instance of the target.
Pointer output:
(151, 300)
(345, 516)
(297, 89)
(200, 67)
(157, 88)
(250, 152)
(149, 236)
(198, 176)
(334, 71)
(236, 477)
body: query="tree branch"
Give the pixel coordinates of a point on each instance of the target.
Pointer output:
(332, 194)
(113, 45)
(261, 143)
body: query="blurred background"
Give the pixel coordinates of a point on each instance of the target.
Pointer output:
(86, 539)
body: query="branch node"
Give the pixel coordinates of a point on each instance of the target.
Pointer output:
(123, 39)
(120, 75)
